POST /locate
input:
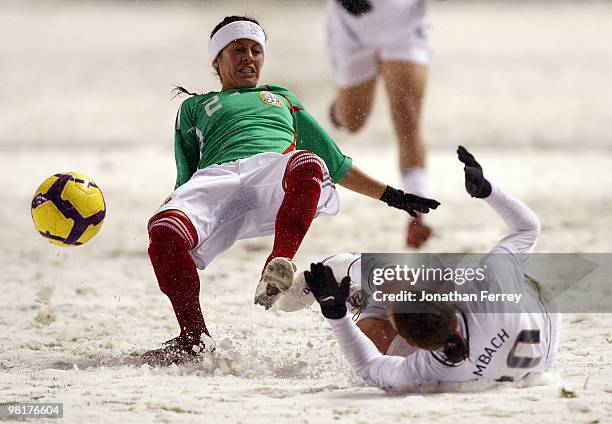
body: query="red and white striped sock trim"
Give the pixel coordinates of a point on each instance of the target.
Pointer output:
(175, 224)
(302, 158)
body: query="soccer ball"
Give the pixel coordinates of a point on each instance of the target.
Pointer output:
(68, 209)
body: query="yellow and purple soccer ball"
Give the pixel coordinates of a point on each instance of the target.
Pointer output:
(68, 209)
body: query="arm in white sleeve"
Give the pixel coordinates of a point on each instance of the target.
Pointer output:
(392, 372)
(522, 221)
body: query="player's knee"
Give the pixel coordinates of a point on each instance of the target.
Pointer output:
(354, 122)
(171, 236)
(354, 104)
(169, 230)
(304, 168)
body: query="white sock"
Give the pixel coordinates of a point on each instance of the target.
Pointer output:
(414, 181)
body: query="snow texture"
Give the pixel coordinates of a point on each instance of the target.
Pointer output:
(86, 87)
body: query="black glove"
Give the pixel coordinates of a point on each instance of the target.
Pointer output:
(324, 287)
(407, 202)
(475, 182)
(356, 7)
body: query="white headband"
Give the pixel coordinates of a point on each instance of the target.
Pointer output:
(235, 31)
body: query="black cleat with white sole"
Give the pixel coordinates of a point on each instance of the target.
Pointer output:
(179, 350)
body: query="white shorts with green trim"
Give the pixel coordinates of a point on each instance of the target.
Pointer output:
(238, 200)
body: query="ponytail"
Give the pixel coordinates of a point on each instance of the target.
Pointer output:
(178, 90)
(456, 349)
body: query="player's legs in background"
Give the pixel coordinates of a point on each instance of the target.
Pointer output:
(171, 237)
(405, 86)
(352, 105)
(355, 69)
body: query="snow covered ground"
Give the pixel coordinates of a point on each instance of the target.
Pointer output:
(85, 87)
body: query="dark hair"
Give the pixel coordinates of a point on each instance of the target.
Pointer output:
(433, 327)
(178, 89)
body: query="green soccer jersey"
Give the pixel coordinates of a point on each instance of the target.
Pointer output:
(220, 127)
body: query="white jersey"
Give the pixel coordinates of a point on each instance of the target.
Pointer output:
(501, 346)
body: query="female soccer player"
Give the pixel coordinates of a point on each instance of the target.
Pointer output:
(251, 161)
(443, 341)
(372, 38)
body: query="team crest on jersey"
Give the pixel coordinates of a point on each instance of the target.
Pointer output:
(270, 99)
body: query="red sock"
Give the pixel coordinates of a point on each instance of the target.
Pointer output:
(302, 184)
(171, 236)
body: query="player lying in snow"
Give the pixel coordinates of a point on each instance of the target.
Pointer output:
(442, 342)
(251, 161)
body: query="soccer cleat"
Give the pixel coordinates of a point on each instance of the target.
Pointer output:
(418, 233)
(178, 350)
(276, 279)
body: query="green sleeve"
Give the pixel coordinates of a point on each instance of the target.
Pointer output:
(311, 136)
(186, 146)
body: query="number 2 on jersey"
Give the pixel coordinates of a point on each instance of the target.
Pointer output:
(212, 105)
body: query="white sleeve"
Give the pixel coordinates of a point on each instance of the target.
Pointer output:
(523, 222)
(392, 372)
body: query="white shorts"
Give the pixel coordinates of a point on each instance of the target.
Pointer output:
(392, 30)
(238, 200)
